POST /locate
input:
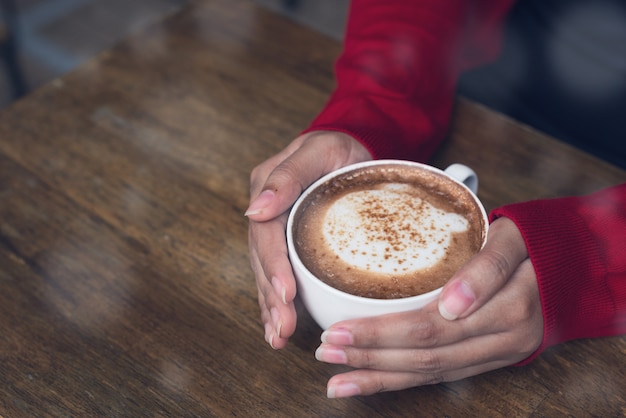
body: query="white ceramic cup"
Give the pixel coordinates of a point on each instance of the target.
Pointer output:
(328, 305)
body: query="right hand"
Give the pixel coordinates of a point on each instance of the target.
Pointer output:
(489, 316)
(275, 185)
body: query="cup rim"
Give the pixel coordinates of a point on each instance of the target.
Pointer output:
(294, 258)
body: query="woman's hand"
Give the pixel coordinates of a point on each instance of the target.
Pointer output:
(275, 185)
(488, 316)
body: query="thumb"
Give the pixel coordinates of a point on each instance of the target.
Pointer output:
(486, 273)
(283, 186)
(306, 159)
(274, 184)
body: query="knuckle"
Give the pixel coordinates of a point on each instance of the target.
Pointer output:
(496, 264)
(368, 360)
(368, 332)
(286, 175)
(524, 344)
(255, 267)
(425, 361)
(421, 379)
(527, 347)
(255, 172)
(424, 333)
(337, 146)
(363, 358)
(525, 310)
(531, 336)
(257, 177)
(380, 386)
(432, 379)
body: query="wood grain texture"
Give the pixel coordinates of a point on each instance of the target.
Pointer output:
(125, 286)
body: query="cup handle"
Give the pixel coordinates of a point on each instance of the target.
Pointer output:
(465, 175)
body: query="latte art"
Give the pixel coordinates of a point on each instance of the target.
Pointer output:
(389, 230)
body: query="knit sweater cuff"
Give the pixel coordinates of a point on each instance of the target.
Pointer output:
(569, 266)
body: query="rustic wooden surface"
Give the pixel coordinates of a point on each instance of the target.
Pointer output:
(125, 287)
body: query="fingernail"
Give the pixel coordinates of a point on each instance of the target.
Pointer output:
(278, 324)
(456, 300)
(279, 289)
(337, 336)
(342, 390)
(269, 335)
(260, 203)
(331, 355)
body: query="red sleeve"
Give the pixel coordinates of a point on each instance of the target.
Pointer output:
(578, 248)
(397, 75)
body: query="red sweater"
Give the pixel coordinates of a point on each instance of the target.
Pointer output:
(396, 81)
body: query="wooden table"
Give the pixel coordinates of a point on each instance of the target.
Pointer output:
(125, 286)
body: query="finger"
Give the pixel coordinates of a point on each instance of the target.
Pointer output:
(501, 333)
(319, 153)
(368, 382)
(273, 315)
(276, 334)
(260, 173)
(264, 307)
(474, 351)
(275, 184)
(267, 243)
(421, 328)
(486, 273)
(275, 282)
(515, 309)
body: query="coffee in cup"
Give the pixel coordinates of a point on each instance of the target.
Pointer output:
(380, 232)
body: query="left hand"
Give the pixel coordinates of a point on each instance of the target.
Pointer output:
(275, 185)
(494, 319)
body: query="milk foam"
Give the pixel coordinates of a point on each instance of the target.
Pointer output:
(388, 230)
